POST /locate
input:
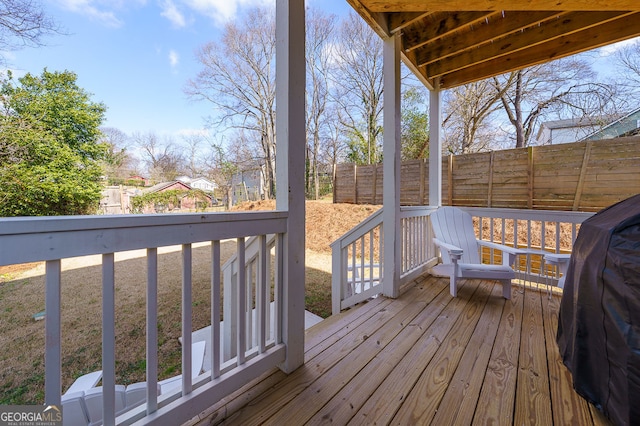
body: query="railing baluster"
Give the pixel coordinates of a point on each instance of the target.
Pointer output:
(270, 283)
(279, 295)
(242, 300)
(354, 271)
(53, 351)
(371, 260)
(215, 309)
(362, 280)
(108, 340)
(262, 303)
(381, 251)
(187, 292)
(250, 282)
(152, 330)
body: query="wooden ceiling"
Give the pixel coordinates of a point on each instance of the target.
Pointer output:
(454, 42)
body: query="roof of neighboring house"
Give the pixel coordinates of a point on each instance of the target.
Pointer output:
(164, 185)
(602, 132)
(576, 122)
(201, 179)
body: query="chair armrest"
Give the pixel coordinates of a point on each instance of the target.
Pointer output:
(511, 250)
(454, 252)
(509, 253)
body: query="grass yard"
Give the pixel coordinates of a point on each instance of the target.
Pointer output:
(22, 296)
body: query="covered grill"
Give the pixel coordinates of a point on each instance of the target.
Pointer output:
(599, 319)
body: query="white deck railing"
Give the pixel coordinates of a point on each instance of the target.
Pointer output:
(358, 267)
(257, 348)
(255, 248)
(536, 231)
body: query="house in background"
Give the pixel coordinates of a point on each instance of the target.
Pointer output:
(198, 183)
(186, 203)
(570, 130)
(138, 180)
(204, 184)
(628, 125)
(248, 185)
(586, 128)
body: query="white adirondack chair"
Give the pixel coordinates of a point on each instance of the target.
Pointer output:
(459, 250)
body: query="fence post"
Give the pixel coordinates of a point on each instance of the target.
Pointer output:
(583, 172)
(335, 174)
(355, 184)
(374, 188)
(530, 177)
(450, 179)
(422, 172)
(490, 194)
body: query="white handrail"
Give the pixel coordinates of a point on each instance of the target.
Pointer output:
(357, 272)
(51, 239)
(357, 263)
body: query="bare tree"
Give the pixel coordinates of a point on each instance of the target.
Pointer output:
(359, 85)
(466, 124)
(629, 57)
(628, 64)
(221, 169)
(23, 23)
(194, 159)
(334, 150)
(563, 88)
(320, 27)
(163, 159)
(119, 163)
(238, 77)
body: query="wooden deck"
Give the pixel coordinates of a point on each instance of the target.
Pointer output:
(424, 358)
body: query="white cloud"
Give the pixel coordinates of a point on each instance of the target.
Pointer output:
(173, 14)
(174, 58)
(222, 10)
(613, 48)
(103, 11)
(192, 132)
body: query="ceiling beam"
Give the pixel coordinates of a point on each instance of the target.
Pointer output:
(591, 38)
(566, 24)
(471, 5)
(398, 21)
(377, 21)
(439, 26)
(497, 26)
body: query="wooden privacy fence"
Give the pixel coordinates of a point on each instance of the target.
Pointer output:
(581, 176)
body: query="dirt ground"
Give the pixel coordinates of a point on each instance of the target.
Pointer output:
(22, 296)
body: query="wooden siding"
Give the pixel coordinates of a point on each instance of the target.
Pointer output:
(424, 358)
(581, 176)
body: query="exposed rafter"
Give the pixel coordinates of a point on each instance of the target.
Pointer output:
(528, 5)
(460, 41)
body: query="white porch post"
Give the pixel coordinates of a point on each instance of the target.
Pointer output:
(435, 146)
(391, 168)
(290, 131)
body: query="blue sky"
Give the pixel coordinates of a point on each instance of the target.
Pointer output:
(136, 56)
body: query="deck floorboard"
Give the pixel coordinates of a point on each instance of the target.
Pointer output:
(424, 358)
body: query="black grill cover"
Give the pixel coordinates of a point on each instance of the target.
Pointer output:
(599, 319)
